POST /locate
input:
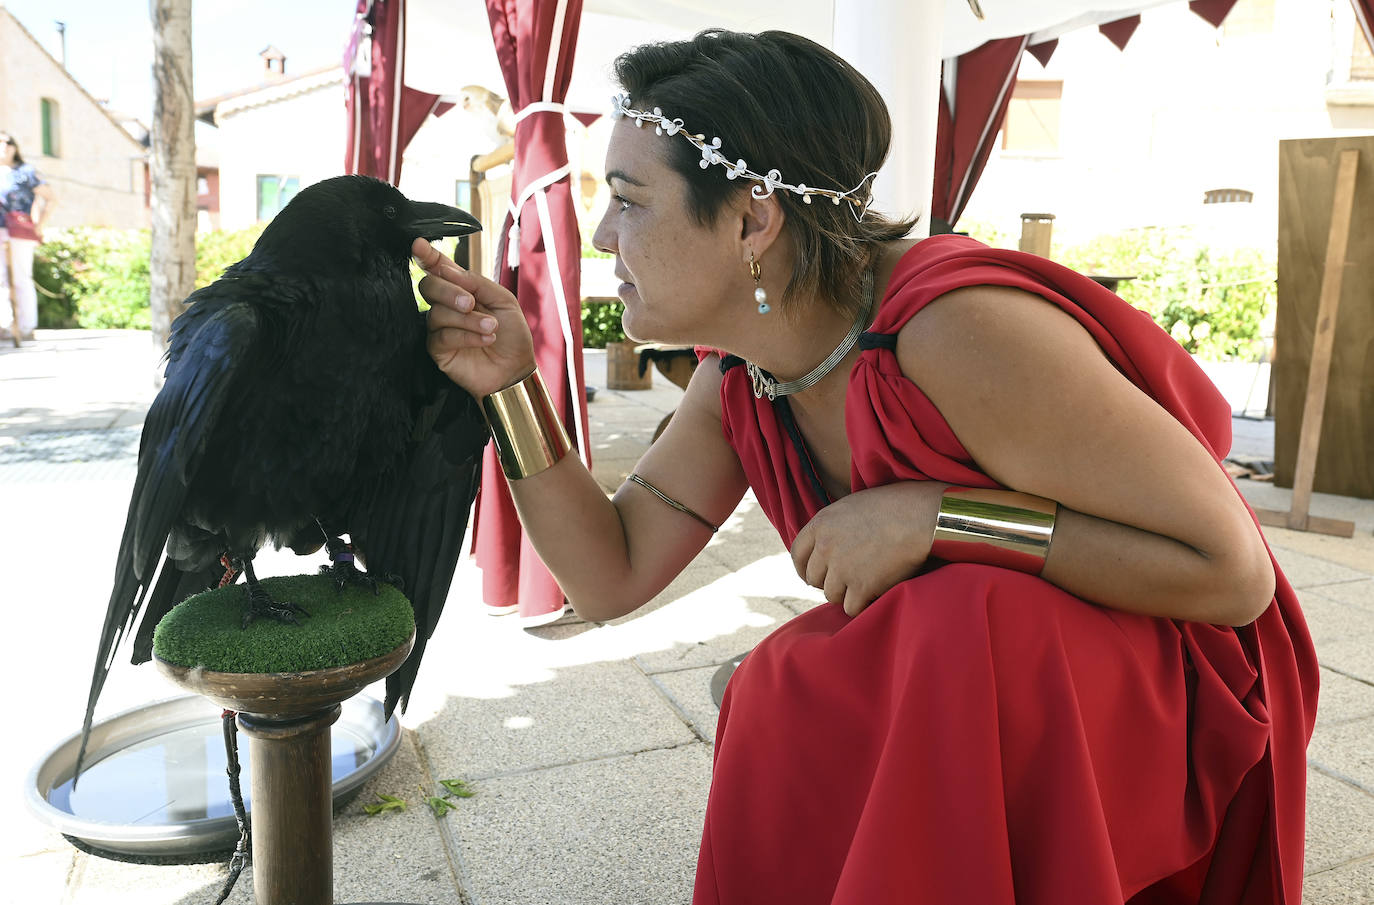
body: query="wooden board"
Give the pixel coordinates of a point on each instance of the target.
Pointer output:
(1345, 446)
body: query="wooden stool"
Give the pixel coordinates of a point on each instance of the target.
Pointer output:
(287, 682)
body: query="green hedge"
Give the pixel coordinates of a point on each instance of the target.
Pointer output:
(601, 324)
(1216, 303)
(93, 278)
(98, 277)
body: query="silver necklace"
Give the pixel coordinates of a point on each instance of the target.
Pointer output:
(765, 385)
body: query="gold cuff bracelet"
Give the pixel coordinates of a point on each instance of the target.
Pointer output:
(525, 427)
(995, 527)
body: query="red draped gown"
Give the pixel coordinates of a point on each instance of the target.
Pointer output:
(978, 736)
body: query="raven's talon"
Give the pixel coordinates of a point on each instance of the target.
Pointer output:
(345, 574)
(261, 604)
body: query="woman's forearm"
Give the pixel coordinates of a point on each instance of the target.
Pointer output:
(1135, 571)
(580, 535)
(48, 201)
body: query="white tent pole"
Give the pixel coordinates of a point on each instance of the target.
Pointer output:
(896, 45)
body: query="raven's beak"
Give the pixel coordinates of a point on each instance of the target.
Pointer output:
(431, 221)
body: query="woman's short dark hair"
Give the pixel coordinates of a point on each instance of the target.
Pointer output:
(18, 158)
(779, 101)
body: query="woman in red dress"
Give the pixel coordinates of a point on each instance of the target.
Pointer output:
(1059, 664)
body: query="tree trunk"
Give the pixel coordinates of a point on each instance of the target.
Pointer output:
(172, 269)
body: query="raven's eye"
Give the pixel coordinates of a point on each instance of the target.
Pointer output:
(389, 211)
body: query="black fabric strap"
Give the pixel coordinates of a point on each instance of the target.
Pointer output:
(877, 341)
(783, 407)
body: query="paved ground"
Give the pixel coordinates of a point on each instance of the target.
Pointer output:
(589, 746)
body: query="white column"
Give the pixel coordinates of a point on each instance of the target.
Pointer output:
(896, 44)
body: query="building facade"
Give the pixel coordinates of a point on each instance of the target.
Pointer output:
(274, 139)
(94, 166)
(1182, 128)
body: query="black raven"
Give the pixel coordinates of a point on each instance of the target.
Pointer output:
(300, 404)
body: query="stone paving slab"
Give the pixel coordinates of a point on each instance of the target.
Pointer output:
(1332, 621)
(555, 819)
(1351, 884)
(746, 536)
(1343, 751)
(729, 602)
(41, 872)
(1353, 657)
(1304, 570)
(622, 830)
(395, 857)
(690, 691)
(100, 881)
(1358, 594)
(1343, 699)
(1340, 822)
(588, 712)
(800, 605)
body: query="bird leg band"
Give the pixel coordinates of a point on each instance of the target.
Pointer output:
(994, 527)
(231, 572)
(525, 427)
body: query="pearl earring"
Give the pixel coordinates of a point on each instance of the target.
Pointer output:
(760, 294)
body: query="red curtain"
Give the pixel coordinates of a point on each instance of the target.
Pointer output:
(539, 259)
(383, 114)
(977, 88)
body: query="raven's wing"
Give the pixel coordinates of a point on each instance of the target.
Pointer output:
(210, 343)
(412, 525)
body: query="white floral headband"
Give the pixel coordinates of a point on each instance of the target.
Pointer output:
(710, 153)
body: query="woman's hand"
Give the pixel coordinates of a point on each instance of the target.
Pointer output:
(477, 332)
(863, 545)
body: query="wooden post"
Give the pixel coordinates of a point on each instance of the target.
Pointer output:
(293, 819)
(622, 367)
(287, 718)
(490, 199)
(1036, 230)
(1319, 369)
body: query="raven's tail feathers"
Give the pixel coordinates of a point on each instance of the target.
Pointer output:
(173, 586)
(125, 600)
(433, 556)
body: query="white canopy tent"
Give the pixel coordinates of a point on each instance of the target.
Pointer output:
(898, 44)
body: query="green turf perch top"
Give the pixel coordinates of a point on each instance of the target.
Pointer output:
(344, 627)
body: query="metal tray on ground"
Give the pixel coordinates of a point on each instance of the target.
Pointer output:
(155, 784)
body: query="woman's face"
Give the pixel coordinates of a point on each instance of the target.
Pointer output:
(6, 148)
(679, 276)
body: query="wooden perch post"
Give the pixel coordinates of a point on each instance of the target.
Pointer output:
(1319, 370)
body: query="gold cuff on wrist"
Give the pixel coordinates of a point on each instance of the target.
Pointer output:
(525, 427)
(995, 527)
